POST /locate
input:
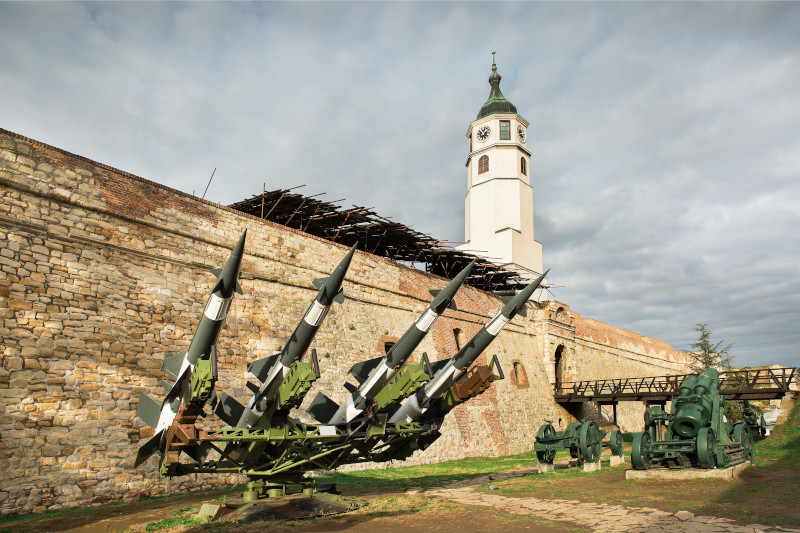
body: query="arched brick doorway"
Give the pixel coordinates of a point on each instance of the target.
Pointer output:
(559, 366)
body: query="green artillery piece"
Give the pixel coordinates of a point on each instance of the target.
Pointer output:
(584, 440)
(751, 418)
(695, 432)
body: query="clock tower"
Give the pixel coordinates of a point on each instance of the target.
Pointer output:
(499, 201)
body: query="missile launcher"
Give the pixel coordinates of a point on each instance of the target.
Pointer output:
(396, 409)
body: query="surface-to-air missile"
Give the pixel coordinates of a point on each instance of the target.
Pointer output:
(446, 373)
(274, 370)
(194, 371)
(374, 374)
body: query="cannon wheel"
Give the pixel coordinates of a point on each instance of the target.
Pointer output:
(640, 451)
(546, 432)
(743, 435)
(706, 447)
(615, 442)
(546, 456)
(590, 442)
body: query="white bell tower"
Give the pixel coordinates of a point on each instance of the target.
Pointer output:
(499, 201)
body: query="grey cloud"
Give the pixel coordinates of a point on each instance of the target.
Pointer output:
(664, 135)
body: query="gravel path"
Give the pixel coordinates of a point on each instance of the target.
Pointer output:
(599, 517)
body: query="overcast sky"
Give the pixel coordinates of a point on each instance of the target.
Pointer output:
(665, 136)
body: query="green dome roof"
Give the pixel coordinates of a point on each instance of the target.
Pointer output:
(496, 103)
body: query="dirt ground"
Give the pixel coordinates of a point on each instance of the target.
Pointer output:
(384, 513)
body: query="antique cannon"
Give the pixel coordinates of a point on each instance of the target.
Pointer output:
(584, 440)
(695, 432)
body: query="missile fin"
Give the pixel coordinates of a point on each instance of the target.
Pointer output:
(506, 299)
(496, 369)
(523, 311)
(350, 387)
(148, 448)
(229, 410)
(315, 363)
(149, 410)
(339, 298)
(453, 305)
(212, 400)
(319, 282)
(252, 386)
(199, 453)
(172, 365)
(361, 370)
(426, 364)
(322, 408)
(260, 367)
(166, 385)
(216, 272)
(434, 292)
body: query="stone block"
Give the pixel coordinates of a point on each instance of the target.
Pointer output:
(615, 460)
(546, 467)
(591, 467)
(688, 473)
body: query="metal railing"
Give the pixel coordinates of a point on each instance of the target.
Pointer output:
(741, 384)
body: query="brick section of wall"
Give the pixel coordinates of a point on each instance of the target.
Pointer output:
(104, 274)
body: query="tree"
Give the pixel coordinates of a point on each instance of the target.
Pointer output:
(707, 354)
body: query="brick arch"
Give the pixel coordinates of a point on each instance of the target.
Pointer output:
(560, 364)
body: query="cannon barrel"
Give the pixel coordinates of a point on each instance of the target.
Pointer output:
(694, 410)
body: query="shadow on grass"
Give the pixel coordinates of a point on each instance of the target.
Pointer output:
(769, 491)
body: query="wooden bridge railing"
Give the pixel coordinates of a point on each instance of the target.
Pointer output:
(742, 384)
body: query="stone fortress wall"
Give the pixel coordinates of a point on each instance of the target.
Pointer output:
(104, 274)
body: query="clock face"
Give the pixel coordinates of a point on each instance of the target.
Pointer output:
(483, 133)
(521, 133)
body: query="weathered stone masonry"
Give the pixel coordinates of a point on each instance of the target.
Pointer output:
(103, 274)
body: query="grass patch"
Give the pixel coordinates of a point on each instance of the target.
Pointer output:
(759, 495)
(425, 476)
(181, 517)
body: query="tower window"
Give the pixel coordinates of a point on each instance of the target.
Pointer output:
(505, 130)
(483, 164)
(523, 166)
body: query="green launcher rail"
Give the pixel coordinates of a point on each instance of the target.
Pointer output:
(744, 384)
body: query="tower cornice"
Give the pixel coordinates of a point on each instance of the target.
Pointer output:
(497, 145)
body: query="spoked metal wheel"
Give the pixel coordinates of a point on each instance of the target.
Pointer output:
(590, 442)
(706, 447)
(743, 435)
(546, 432)
(641, 458)
(615, 442)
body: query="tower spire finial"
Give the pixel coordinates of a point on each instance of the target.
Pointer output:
(497, 103)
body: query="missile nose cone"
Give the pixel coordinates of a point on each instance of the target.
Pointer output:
(465, 272)
(330, 286)
(341, 269)
(446, 295)
(230, 272)
(238, 250)
(513, 307)
(345, 262)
